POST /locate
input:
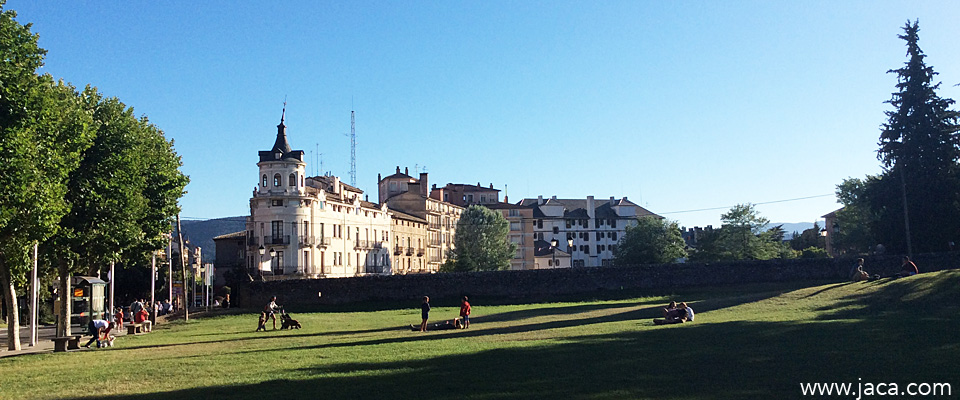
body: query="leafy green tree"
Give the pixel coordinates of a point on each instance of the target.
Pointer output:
(652, 240)
(481, 242)
(743, 236)
(920, 150)
(853, 233)
(43, 130)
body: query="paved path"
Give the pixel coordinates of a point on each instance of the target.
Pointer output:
(44, 344)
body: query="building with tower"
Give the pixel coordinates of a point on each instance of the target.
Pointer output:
(311, 227)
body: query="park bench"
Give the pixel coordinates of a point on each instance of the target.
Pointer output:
(64, 343)
(134, 328)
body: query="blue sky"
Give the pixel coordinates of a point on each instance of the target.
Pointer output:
(678, 105)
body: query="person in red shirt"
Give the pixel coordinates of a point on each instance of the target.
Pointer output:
(908, 268)
(465, 312)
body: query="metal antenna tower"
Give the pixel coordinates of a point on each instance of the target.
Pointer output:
(353, 151)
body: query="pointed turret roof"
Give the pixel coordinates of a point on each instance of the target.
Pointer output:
(281, 148)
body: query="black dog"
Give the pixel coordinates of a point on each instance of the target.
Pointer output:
(288, 322)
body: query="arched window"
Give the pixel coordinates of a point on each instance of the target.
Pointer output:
(264, 180)
(276, 180)
(301, 180)
(293, 180)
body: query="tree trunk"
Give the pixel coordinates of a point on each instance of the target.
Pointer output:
(66, 299)
(183, 271)
(13, 316)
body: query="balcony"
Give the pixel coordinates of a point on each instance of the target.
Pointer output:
(377, 244)
(375, 269)
(252, 241)
(276, 239)
(397, 250)
(420, 252)
(307, 241)
(323, 242)
(409, 251)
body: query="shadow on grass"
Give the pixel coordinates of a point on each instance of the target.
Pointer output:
(732, 360)
(922, 296)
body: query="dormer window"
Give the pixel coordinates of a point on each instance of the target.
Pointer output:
(276, 180)
(277, 155)
(293, 180)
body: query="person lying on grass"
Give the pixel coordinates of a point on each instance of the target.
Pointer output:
(440, 326)
(677, 315)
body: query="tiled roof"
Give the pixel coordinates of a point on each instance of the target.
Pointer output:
(235, 235)
(408, 217)
(543, 248)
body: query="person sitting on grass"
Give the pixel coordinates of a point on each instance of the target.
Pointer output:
(908, 268)
(857, 274)
(677, 315)
(440, 326)
(100, 329)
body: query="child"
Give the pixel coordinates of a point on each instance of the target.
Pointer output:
(263, 322)
(424, 313)
(465, 312)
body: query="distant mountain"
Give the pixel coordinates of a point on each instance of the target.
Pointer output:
(790, 227)
(201, 233)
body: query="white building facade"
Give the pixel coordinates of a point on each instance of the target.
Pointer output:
(311, 227)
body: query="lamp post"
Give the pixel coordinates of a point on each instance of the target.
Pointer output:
(570, 250)
(260, 266)
(554, 243)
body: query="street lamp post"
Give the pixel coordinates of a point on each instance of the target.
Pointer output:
(570, 250)
(260, 266)
(554, 243)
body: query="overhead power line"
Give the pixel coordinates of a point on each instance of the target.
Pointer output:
(760, 203)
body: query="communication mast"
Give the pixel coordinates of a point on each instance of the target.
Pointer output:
(353, 151)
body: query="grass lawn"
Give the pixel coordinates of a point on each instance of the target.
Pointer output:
(752, 341)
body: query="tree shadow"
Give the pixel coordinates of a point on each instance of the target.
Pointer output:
(907, 298)
(731, 360)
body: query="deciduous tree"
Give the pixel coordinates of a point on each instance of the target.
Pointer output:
(481, 242)
(652, 240)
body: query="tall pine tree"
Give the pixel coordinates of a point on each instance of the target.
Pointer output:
(920, 150)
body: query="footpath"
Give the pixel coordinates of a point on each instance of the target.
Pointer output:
(44, 343)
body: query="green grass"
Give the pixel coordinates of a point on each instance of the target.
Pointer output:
(751, 341)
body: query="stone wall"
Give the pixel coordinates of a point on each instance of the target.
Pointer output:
(534, 285)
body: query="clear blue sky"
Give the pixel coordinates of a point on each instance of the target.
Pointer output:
(679, 105)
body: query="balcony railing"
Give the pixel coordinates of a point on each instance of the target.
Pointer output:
(420, 252)
(307, 241)
(377, 244)
(323, 242)
(276, 239)
(375, 269)
(364, 244)
(409, 251)
(397, 250)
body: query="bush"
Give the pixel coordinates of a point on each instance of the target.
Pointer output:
(814, 252)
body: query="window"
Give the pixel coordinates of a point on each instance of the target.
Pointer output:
(264, 182)
(514, 213)
(277, 229)
(514, 226)
(569, 223)
(550, 262)
(276, 180)
(276, 203)
(278, 266)
(292, 180)
(483, 198)
(556, 230)
(599, 249)
(599, 222)
(586, 249)
(301, 181)
(613, 248)
(293, 228)
(613, 235)
(540, 223)
(613, 223)
(599, 235)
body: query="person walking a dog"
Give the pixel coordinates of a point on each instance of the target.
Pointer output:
(270, 311)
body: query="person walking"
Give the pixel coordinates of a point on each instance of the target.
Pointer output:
(270, 311)
(465, 312)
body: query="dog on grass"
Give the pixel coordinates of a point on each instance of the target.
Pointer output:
(262, 326)
(289, 322)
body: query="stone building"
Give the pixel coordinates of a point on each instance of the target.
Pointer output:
(311, 227)
(406, 194)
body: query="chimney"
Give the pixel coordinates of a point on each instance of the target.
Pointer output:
(539, 200)
(612, 200)
(336, 184)
(591, 207)
(366, 197)
(398, 169)
(491, 185)
(554, 197)
(423, 185)
(379, 178)
(406, 170)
